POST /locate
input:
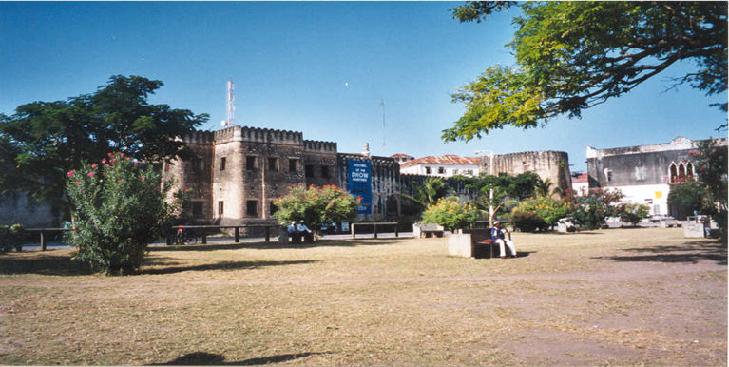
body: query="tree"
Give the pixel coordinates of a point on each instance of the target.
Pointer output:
(41, 141)
(591, 210)
(543, 188)
(432, 190)
(117, 208)
(571, 56)
(711, 163)
(539, 212)
(507, 190)
(633, 212)
(316, 206)
(688, 197)
(451, 213)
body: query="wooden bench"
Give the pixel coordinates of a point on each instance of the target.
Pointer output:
(479, 249)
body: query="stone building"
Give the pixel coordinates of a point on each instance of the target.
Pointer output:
(549, 165)
(239, 171)
(644, 173)
(385, 188)
(448, 165)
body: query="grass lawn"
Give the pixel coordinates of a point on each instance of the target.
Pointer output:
(612, 297)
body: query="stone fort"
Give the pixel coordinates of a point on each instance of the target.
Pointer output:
(549, 165)
(239, 171)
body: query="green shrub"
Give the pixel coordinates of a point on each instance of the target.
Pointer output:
(451, 213)
(11, 237)
(527, 221)
(117, 208)
(316, 206)
(590, 211)
(538, 213)
(633, 212)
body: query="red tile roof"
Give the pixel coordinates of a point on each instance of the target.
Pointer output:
(401, 155)
(581, 178)
(447, 159)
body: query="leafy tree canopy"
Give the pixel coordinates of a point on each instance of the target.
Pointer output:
(316, 206)
(575, 55)
(41, 141)
(451, 213)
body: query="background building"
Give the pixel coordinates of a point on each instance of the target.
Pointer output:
(580, 187)
(402, 157)
(448, 165)
(644, 173)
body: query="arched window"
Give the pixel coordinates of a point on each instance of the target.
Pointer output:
(673, 173)
(689, 171)
(681, 173)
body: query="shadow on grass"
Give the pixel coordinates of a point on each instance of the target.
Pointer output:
(202, 358)
(223, 265)
(687, 252)
(275, 245)
(578, 232)
(46, 264)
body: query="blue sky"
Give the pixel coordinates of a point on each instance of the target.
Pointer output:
(320, 68)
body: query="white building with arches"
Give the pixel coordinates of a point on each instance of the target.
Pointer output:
(645, 173)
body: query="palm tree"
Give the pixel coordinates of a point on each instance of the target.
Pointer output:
(432, 189)
(542, 188)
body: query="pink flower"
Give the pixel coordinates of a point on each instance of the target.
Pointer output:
(69, 174)
(94, 166)
(103, 161)
(90, 174)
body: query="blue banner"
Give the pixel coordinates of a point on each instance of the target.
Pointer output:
(359, 183)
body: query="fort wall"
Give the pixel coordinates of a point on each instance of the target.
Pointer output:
(551, 165)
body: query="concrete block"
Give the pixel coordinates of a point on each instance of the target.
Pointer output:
(693, 229)
(459, 244)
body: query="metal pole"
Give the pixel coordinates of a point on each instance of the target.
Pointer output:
(352, 230)
(237, 234)
(396, 230)
(374, 229)
(44, 245)
(491, 189)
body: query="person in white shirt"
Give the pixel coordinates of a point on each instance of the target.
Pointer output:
(501, 236)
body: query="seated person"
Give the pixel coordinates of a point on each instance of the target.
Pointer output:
(499, 235)
(302, 228)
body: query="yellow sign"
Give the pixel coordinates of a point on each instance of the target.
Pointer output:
(659, 194)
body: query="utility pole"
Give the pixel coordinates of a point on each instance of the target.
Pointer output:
(491, 187)
(491, 190)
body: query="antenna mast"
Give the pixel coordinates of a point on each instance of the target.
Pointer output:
(384, 133)
(230, 105)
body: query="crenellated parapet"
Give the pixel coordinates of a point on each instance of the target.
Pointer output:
(264, 135)
(199, 137)
(320, 146)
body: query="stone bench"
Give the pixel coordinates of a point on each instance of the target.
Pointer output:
(427, 230)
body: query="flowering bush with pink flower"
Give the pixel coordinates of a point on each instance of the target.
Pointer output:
(117, 208)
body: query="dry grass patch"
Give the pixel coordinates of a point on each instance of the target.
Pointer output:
(625, 297)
